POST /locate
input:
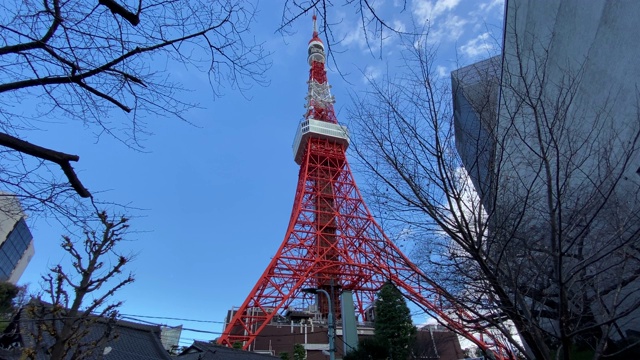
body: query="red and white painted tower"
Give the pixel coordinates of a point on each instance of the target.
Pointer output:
(332, 242)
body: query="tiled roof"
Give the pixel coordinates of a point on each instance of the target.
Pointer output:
(201, 350)
(133, 341)
(136, 343)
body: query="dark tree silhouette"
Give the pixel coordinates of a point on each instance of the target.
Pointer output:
(394, 332)
(393, 326)
(64, 315)
(97, 64)
(538, 227)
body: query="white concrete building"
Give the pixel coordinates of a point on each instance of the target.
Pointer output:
(16, 241)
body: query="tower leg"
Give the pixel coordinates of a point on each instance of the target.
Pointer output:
(334, 244)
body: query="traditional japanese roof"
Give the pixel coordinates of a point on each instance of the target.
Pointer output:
(201, 350)
(132, 341)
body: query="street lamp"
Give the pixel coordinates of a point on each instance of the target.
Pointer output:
(332, 330)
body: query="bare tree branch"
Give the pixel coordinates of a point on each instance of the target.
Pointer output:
(57, 157)
(532, 228)
(80, 61)
(132, 18)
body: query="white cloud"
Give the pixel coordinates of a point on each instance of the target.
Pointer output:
(355, 37)
(376, 5)
(491, 5)
(371, 73)
(399, 26)
(487, 15)
(430, 10)
(480, 46)
(442, 71)
(448, 30)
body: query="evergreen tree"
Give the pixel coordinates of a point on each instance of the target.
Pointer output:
(8, 292)
(393, 327)
(368, 349)
(299, 353)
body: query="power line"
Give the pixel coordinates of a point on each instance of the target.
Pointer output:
(172, 318)
(183, 329)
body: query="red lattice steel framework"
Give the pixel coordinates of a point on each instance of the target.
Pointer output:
(332, 241)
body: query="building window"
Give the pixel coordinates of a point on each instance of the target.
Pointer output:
(13, 248)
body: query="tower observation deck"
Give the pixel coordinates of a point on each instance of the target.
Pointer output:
(318, 129)
(333, 243)
(320, 120)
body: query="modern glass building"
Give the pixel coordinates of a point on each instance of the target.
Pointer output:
(549, 133)
(16, 241)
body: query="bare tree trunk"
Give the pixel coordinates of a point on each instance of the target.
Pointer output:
(76, 318)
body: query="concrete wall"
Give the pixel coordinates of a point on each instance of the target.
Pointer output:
(276, 339)
(10, 213)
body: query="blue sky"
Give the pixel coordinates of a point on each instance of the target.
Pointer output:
(216, 197)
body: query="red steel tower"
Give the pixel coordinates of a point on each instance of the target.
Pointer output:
(332, 242)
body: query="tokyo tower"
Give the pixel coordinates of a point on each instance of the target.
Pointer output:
(332, 242)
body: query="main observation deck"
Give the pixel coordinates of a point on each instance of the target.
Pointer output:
(311, 128)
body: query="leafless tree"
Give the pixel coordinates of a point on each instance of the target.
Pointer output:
(533, 219)
(374, 27)
(64, 325)
(104, 64)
